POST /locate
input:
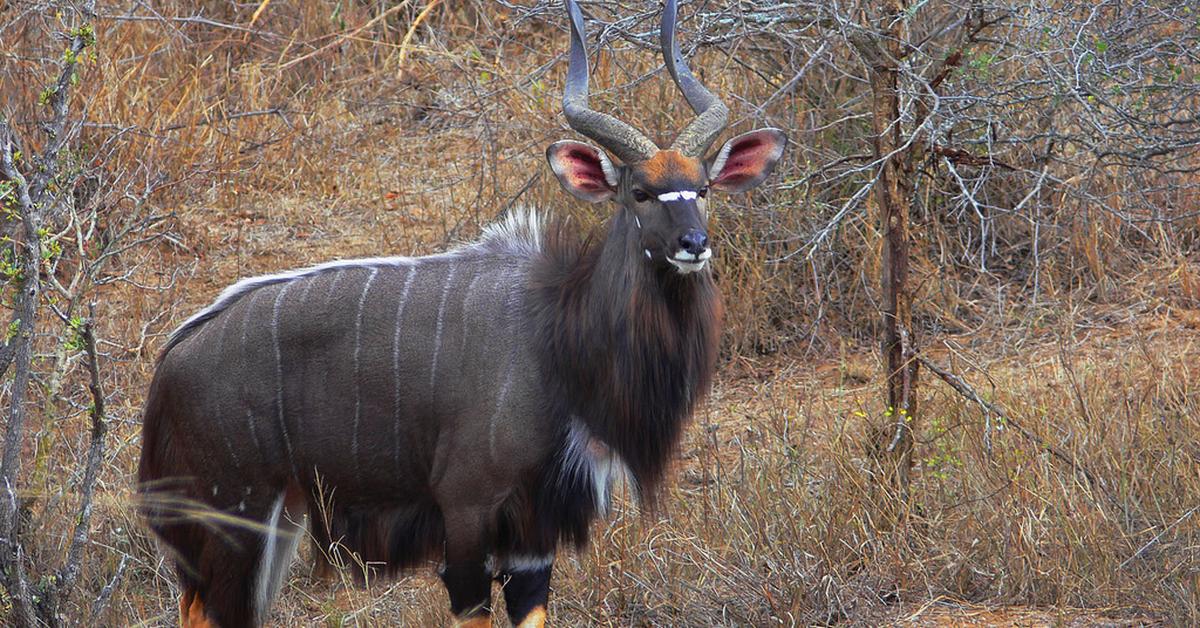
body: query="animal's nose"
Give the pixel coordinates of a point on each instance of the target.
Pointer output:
(694, 241)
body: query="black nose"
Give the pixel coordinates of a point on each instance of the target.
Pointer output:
(694, 241)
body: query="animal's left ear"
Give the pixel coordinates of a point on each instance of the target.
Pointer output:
(744, 161)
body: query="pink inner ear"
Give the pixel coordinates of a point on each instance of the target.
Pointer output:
(747, 159)
(583, 170)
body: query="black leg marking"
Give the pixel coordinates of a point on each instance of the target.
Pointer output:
(470, 588)
(525, 592)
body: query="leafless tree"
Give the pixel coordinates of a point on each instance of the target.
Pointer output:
(66, 219)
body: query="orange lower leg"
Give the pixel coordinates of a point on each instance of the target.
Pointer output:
(536, 618)
(185, 603)
(193, 616)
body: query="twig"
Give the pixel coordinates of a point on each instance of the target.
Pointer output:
(262, 6)
(515, 197)
(346, 35)
(278, 111)
(1158, 536)
(101, 602)
(795, 80)
(412, 28)
(81, 38)
(70, 570)
(193, 19)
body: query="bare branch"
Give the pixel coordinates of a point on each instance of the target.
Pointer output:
(70, 571)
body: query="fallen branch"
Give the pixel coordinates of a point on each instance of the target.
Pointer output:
(964, 389)
(273, 111)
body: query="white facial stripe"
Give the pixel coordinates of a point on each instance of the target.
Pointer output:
(687, 195)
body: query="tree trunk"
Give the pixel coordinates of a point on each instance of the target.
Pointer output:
(881, 46)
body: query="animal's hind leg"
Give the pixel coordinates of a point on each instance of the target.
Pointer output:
(191, 611)
(223, 563)
(220, 592)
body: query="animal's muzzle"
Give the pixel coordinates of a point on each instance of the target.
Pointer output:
(693, 252)
(693, 241)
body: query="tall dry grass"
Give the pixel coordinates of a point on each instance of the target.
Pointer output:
(303, 138)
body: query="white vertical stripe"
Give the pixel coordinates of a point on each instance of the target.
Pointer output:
(223, 421)
(500, 399)
(333, 281)
(250, 420)
(246, 319)
(282, 537)
(412, 272)
(513, 302)
(437, 339)
(287, 441)
(308, 284)
(262, 587)
(462, 345)
(299, 306)
(362, 300)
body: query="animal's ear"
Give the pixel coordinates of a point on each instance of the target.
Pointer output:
(583, 170)
(744, 161)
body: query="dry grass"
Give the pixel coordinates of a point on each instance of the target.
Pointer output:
(773, 518)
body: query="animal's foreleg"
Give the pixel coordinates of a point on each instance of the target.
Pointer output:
(470, 587)
(466, 576)
(526, 592)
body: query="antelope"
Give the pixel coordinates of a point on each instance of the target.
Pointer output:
(475, 408)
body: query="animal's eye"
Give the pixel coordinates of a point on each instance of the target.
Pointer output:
(702, 192)
(640, 196)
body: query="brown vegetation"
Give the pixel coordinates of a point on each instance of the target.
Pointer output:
(1055, 269)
